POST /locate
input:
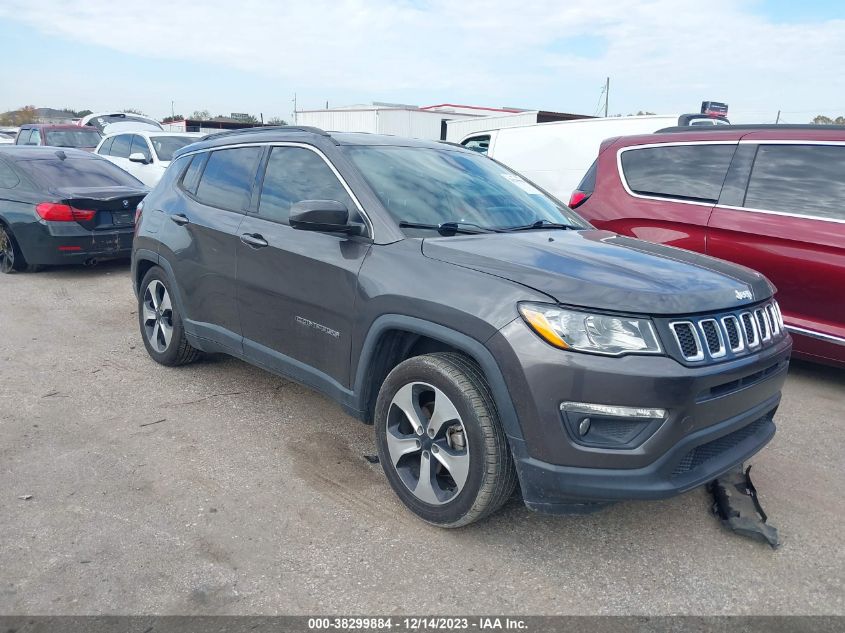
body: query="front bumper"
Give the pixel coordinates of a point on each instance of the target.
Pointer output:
(718, 415)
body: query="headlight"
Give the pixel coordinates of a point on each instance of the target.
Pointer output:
(587, 332)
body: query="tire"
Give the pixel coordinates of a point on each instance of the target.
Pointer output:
(446, 394)
(161, 323)
(11, 257)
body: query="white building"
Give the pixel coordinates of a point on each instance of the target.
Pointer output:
(427, 122)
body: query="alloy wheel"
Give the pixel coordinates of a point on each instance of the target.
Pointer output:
(158, 316)
(427, 443)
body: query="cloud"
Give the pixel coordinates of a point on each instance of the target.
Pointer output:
(661, 54)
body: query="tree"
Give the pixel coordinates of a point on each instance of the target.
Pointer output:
(201, 115)
(82, 113)
(276, 120)
(171, 119)
(133, 111)
(21, 116)
(826, 120)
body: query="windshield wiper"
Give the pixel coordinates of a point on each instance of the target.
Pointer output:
(450, 228)
(540, 224)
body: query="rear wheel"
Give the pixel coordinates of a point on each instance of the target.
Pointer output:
(440, 441)
(11, 258)
(161, 323)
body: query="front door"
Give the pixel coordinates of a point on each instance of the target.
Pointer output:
(297, 289)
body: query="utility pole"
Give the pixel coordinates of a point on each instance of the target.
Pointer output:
(606, 96)
(294, 108)
(172, 110)
(777, 120)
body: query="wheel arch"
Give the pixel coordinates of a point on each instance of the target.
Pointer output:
(393, 338)
(142, 261)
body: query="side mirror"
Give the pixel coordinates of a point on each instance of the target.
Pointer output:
(138, 157)
(328, 216)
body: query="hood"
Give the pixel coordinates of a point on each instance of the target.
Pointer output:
(606, 271)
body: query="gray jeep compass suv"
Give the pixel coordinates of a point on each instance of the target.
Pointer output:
(491, 335)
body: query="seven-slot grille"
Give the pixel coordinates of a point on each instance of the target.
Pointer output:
(710, 337)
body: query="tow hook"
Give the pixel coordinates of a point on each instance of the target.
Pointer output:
(735, 502)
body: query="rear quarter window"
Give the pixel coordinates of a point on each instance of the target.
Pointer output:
(683, 172)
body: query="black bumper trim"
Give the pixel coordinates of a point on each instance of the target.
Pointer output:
(553, 488)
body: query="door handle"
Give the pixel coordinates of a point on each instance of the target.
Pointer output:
(253, 239)
(180, 218)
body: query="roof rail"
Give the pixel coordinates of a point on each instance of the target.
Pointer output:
(751, 127)
(267, 128)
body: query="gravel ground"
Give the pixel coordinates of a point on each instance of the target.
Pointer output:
(219, 488)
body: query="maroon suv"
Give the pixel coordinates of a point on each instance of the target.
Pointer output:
(769, 197)
(56, 135)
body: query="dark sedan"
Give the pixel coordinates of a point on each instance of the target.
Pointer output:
(63, 206)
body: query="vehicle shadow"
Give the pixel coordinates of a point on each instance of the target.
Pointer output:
(70, 271)
(815, 371)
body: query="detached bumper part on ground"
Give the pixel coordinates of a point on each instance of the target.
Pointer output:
(735, 502)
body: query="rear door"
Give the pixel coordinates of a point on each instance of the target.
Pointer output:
(783, 213)
(671, 190)
(200, 239)
(296, 292)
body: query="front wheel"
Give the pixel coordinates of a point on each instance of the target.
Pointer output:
(440, 441)
(161, 323)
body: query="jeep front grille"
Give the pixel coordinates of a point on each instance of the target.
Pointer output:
(713, 338)
(688, 341)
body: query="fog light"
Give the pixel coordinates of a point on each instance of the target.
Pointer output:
(613, 411)
(610, 426)
(584, 427)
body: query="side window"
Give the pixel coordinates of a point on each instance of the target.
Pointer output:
(8, 177)
(105, 148)
(35, 137)
(139, 146)
(23, 136)
(683, 172)
(294, 174)
(478, 144)
(227, 179)
(120, 146)
(802, 179)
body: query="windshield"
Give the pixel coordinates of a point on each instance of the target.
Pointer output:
(434, 186)
(78, 172)
(165, 146)
(72, 138)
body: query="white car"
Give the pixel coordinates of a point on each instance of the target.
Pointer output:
(144, 154)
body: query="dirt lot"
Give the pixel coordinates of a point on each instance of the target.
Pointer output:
(219, 488)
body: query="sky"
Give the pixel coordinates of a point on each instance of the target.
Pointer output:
(253, 56)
